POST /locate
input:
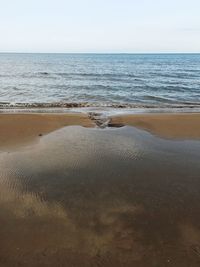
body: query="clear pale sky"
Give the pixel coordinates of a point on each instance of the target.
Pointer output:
(100, 26)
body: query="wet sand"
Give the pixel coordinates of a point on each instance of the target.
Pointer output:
(165, 125)
(91, 197)
(17, 129)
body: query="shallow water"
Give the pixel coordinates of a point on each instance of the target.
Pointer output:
(128, 80)
(91, 197)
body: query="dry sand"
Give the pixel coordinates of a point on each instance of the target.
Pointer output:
(16, 129)
(179, 126)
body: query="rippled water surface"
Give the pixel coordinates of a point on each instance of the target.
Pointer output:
(91, 197)
(93, 79)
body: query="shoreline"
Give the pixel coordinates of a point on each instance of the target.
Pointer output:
(104, 109)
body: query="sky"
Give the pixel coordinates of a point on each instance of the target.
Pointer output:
(100, 26)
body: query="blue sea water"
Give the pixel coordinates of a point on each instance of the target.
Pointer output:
(132, 80)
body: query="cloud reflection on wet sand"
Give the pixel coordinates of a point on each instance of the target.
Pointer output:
(100, 198)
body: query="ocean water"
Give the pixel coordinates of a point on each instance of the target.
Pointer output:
(113, 80)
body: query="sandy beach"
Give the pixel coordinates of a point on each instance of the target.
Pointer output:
(19, 129)
(85, 196)
(180, 126)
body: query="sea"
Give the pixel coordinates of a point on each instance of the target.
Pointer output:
(134, 81)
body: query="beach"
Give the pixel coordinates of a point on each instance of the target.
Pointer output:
(19, 129)
(75, 194)
(100, 133)
(179, 126)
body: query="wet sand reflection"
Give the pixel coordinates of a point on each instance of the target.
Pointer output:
(86, 197)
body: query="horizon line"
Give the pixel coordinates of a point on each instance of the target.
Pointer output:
(103, 53)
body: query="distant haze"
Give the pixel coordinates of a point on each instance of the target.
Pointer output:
(128, 26)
